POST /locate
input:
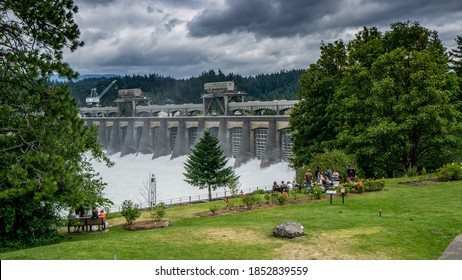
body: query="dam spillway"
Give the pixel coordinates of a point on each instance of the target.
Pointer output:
(242, 137)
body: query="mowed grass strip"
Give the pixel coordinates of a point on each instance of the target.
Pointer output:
(416, 222)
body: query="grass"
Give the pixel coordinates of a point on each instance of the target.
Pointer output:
(417, 222)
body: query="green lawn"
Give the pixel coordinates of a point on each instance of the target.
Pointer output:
(417, 222)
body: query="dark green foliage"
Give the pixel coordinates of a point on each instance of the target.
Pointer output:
(42, 139)
(206, 165)
(276, 86)
(310, 120)
(456, 57)
(28, 223)
(336, 160)
(389, 99)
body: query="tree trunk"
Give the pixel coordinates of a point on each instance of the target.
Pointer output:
(210, 192)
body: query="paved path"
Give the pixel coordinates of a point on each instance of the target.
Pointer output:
(454, 250)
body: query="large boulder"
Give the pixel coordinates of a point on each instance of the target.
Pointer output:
(289, 230)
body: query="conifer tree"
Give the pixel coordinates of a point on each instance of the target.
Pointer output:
(43, 141)
(456, 57)
(206, 166)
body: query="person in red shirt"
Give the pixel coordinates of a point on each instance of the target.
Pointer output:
(103, 215)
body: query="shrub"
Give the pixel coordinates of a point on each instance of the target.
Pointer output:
(249, 200)
(267, 198)
(213, 208)
(412, 172)
(371, 185)
(229, 203)
(282, 197)
(257, 198)
(294, 193)
(252, 199)
(260, 191)
(274, 196)
(354, 186)
(316, 191)
(159, 212)
(450, 172)
(359, 186)
(130, 211)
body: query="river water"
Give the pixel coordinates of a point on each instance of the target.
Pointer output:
(129, 178)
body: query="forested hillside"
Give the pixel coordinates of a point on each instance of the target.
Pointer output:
(276, 86)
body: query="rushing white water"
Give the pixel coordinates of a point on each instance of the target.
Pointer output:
(129, 177)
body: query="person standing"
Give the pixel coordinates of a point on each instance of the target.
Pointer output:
(316, 175)
(351, 173)
(329, 174)
(308, 179)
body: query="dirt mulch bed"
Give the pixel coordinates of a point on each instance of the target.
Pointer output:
(143, 225)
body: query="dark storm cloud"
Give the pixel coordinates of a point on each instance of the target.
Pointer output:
(182, 38)
(285, 18)
(278, 18)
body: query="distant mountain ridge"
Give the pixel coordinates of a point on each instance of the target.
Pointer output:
(57, 78)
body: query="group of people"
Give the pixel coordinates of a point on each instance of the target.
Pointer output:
(284, 187)
(80, 212)
(326, 179)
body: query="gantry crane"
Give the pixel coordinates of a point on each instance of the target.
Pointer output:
(94, 98)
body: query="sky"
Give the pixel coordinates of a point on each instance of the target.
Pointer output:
(183, 38)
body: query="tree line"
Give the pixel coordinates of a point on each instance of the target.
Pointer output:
(275, 86)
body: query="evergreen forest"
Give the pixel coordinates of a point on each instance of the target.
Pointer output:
(162, 90)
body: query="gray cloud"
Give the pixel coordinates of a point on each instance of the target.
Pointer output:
(282, 18)
(278, 18)
(183, 38)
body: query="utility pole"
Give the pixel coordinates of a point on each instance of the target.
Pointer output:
(152, 191)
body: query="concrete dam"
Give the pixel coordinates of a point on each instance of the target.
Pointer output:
(245, 130)
(241, 137)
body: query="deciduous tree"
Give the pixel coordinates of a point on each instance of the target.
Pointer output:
(396, 103)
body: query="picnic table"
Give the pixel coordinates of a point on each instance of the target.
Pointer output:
(85, 223)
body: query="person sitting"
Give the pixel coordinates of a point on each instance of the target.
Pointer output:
(103, 215)
(289, 186)
(275, 186)
(94, 213)
(283, 187)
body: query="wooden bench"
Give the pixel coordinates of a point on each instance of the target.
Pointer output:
(86, 223)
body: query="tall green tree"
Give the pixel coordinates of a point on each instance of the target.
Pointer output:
(456, 56)
(310, 122)
(206, 166)
(44, 169)
(396, 104)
